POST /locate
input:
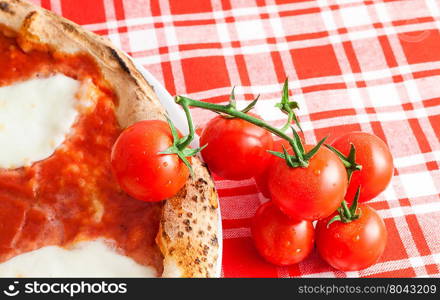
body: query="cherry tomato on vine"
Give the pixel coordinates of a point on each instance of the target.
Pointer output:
(355, 245)
(141, 171)
(262, 179)
(235, 149)
(280, 239)
(376, 161)
(312, 192)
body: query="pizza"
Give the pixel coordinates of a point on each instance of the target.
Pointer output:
(65, 96)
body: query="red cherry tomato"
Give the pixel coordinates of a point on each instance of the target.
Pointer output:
(310, 193)
(140, 170)
(352, 246)
(236, 149)
(376, 160)
(280, 239)
(262, 179)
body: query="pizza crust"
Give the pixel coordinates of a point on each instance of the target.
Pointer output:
(188, 234)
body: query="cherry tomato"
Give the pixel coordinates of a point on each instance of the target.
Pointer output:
(140, 170)
(262, 179)
(376, 160)
(309, 193)
(280, 239)
(236, 149)
(352, 246)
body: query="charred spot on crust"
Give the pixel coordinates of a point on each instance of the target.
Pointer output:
(68, 27)
(201, 182)
(214, 241)
(120, 61)
(4, 6)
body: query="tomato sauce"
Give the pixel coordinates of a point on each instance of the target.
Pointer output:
(72, 195)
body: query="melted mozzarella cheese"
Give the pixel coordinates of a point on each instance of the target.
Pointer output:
(85, 259)
(35, 117)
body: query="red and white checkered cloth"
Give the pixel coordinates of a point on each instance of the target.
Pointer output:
(352, 65)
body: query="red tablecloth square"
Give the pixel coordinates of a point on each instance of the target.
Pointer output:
(84, 11)
(421, 46)
(315, 62)
(189, 6)
(203, 66)
(241, 260)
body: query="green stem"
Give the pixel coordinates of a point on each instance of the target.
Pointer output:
(188, 139)
(289, 121)
(232, 111)
(346, 210)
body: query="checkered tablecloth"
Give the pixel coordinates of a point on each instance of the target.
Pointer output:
(352, 65)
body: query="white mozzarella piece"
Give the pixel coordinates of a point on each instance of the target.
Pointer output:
(35, 117)
(85, 259)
